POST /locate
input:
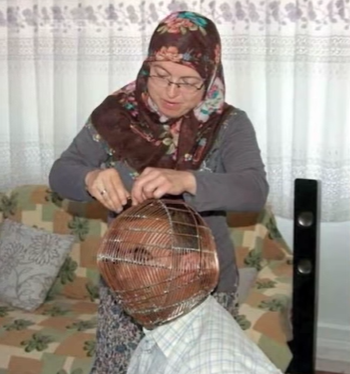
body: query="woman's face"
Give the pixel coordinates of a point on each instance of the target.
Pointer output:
(174, 100)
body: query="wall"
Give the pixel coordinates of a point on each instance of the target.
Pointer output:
(333, 327)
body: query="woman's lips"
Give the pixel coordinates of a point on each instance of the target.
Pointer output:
(170, 104)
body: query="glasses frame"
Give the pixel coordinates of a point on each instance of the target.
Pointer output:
(179, 85)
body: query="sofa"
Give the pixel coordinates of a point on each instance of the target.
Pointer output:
(59, 336)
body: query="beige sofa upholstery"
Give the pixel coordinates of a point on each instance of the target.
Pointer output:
(59, 337)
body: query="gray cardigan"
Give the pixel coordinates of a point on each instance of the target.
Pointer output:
(232, 178)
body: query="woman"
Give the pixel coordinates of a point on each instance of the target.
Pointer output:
(168, 133)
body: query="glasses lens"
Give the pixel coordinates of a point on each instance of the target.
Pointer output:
(160, 81)
(183, 87)
(189, 88)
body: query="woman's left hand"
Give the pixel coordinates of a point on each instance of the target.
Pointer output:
(157, 182)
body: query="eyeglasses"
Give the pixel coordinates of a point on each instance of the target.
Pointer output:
(184, 87)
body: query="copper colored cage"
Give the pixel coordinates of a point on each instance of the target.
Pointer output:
(160, 259)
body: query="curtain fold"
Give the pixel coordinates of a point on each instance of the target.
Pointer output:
(287, 64)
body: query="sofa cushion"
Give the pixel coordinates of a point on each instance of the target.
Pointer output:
(265, 313)
(29, 263)
(39, 206)
(59, 337)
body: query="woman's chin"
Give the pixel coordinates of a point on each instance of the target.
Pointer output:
(170, 110)
(171, 113)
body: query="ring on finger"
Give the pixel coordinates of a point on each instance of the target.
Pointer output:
(103, 192)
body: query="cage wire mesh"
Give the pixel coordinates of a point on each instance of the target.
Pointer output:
(160, 259)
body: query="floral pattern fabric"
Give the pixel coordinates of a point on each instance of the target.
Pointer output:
(129, 120)
(60, 336)
(30, 260)
(237, 15)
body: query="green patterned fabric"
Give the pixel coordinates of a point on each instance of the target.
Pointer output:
(39, 207)
(59, 337)
(265, 314)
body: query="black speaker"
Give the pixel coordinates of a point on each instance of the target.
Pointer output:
(305, 274)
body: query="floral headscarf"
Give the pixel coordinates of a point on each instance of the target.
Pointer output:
(129, 120)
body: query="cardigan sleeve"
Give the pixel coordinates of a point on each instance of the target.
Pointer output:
(84, 154)
(242, 185)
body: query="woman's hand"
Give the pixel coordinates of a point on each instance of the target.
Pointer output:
(106, 186)
(156, 182)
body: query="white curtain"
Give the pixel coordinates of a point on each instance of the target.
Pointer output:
(287, 64)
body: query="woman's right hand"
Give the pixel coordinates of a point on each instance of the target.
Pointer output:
(106, 186)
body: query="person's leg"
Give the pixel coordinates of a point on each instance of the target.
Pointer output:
(117, 336)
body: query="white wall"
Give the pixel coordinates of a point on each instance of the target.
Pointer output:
(333, 332)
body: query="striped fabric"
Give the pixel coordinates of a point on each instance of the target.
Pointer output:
(206, 341)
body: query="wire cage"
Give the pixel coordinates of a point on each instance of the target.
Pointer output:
(160, 259)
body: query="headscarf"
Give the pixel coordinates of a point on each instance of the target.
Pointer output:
(160, 260)
(129, 120)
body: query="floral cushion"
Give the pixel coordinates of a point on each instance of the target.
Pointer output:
(39, 207)
(30, 260)
(58, 338)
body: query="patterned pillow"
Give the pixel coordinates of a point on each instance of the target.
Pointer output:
(30, 260)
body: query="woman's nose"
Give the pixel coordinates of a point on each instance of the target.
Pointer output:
(172, 89)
